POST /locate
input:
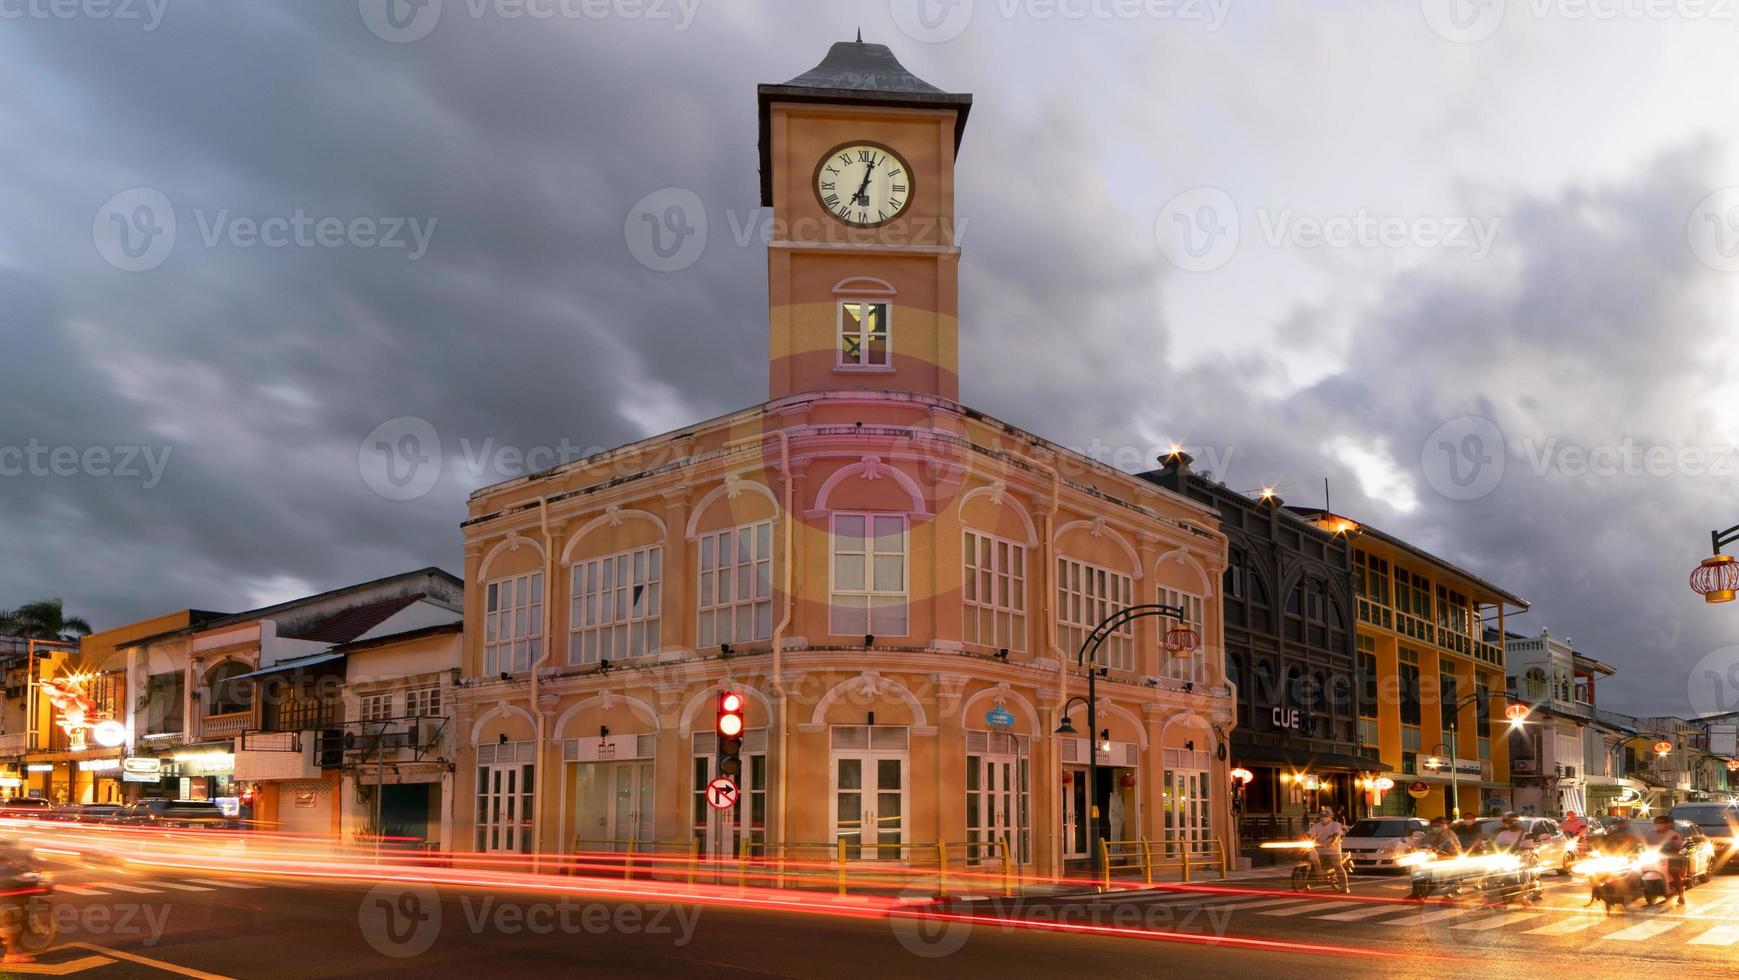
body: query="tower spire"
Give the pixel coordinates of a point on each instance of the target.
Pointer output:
(860, 35)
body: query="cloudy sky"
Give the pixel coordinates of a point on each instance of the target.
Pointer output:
(1473, 264)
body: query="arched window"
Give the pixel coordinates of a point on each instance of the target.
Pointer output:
(228, 692)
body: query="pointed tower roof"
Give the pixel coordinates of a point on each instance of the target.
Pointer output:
(856, 73)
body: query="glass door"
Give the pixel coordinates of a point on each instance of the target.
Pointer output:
(631, 807)
(1074, 814)
(996, 803)
(869, 805)
(504, 807)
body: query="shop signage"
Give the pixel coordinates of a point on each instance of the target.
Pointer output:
(1285, 717)
(1418, 790)
(141, 769)
(999, 717)
(99, 765)
(306, 799)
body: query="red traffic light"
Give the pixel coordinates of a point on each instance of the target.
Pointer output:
(730, 714)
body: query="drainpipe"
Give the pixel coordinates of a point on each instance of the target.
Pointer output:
(537, 794)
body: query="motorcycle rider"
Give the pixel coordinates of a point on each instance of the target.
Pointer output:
(1326, 833)
(1666, 840)
(1572, 824)
(16, 865)
(1440, 841)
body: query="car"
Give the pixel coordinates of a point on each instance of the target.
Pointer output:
(90, 813)
(1719, 822)
(33, 807)
(1375, 842)
(1553, 849)
(178, 813)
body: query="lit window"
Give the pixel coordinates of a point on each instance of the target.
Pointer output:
(513, 624)
(736, 585)
(994, 587)
(613, 612)
(869, 575)
(1086, 594)
(863, 334)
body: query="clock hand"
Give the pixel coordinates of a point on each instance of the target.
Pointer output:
(860, 197)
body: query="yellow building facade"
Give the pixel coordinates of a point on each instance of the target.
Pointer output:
(1431, 659)
(897, 584)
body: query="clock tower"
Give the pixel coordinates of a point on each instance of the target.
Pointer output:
(857, 163)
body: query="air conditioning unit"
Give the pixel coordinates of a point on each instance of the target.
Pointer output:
(1567, 772)
(1520, 766)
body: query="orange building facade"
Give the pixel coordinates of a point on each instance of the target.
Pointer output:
(897, 584)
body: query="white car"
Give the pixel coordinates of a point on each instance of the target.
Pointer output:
(1375, 842)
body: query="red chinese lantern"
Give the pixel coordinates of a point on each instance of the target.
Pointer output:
(1733, 765)
(1068, 777)
(1127, 780)
(1182, 641)
(1516, 712)
(1662, 748)
(1716, 579)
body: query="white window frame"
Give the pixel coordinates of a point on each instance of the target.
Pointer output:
(840, 333)
(756, 609)
(1005, 575)
(374, 707)
(423, 702)
(513, 628)
(869, 593)
(1079, 610)
(896, 747)
(1192, 668)
(605, 621)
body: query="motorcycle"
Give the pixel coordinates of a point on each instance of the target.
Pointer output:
(1512, 878)
(37, 927)
(1662, 876)
(1337, 876)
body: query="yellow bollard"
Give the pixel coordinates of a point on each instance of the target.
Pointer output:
(1104, 865)
(1007, 887)
(693, 859)
(1146, 862)
(842, 866)
(941, 870)
(1183, 849)
(628, 861)
(742, 862)
(1223, 859)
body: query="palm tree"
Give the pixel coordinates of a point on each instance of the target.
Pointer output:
(44, 619)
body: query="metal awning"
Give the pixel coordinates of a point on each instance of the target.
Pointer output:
(1304, 759)
(283, 666)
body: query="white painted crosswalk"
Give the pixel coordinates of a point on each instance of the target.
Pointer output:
(1642, 931)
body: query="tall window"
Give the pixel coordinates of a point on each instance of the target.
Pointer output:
(863, 334)
(423, 701)
(736, 585)
(1449, 692)
(613, 612)
(1411, 706)
(869, 574)
(375, 707)
(1193, 666)
(1086, 594)
(513, 623)
(994, 588)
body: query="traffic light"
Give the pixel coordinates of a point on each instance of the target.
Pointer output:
(730, 732)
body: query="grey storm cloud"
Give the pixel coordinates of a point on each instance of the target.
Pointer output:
(520, 148)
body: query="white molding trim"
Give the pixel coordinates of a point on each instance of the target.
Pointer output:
(864, 286)
(606, 701)
(685, 725)
(1098, 528)
(998, 694)
(1183, 557)
(513, 542)
(613, 516)
(878, 684)
(1132, 718)
(503, 709)
(731, 487)
(863, 468)
(1001, 497)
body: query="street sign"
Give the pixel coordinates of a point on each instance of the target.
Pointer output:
(999, 717)
(1418, 790)
(721, 793)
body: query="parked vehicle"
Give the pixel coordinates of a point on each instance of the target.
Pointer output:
(1377, 843)
(90, 813)
(32, 807)
(178, 813)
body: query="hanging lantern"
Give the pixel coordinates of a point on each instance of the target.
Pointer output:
(1068, 777)
(1242, 776)
(1384, 784)
(1733, 765)
(1516, 712)
(1662, 748)
(1182, 641)
(1127, 780)
(1716, 579)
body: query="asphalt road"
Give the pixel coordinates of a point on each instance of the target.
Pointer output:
(120, 921)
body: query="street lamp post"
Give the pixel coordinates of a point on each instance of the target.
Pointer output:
(1089, 657)
(1517, 714)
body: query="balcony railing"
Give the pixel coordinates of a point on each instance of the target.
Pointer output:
(226, 725)
(388, 739)
(15, 743)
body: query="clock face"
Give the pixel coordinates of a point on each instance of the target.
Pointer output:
(863, 184)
